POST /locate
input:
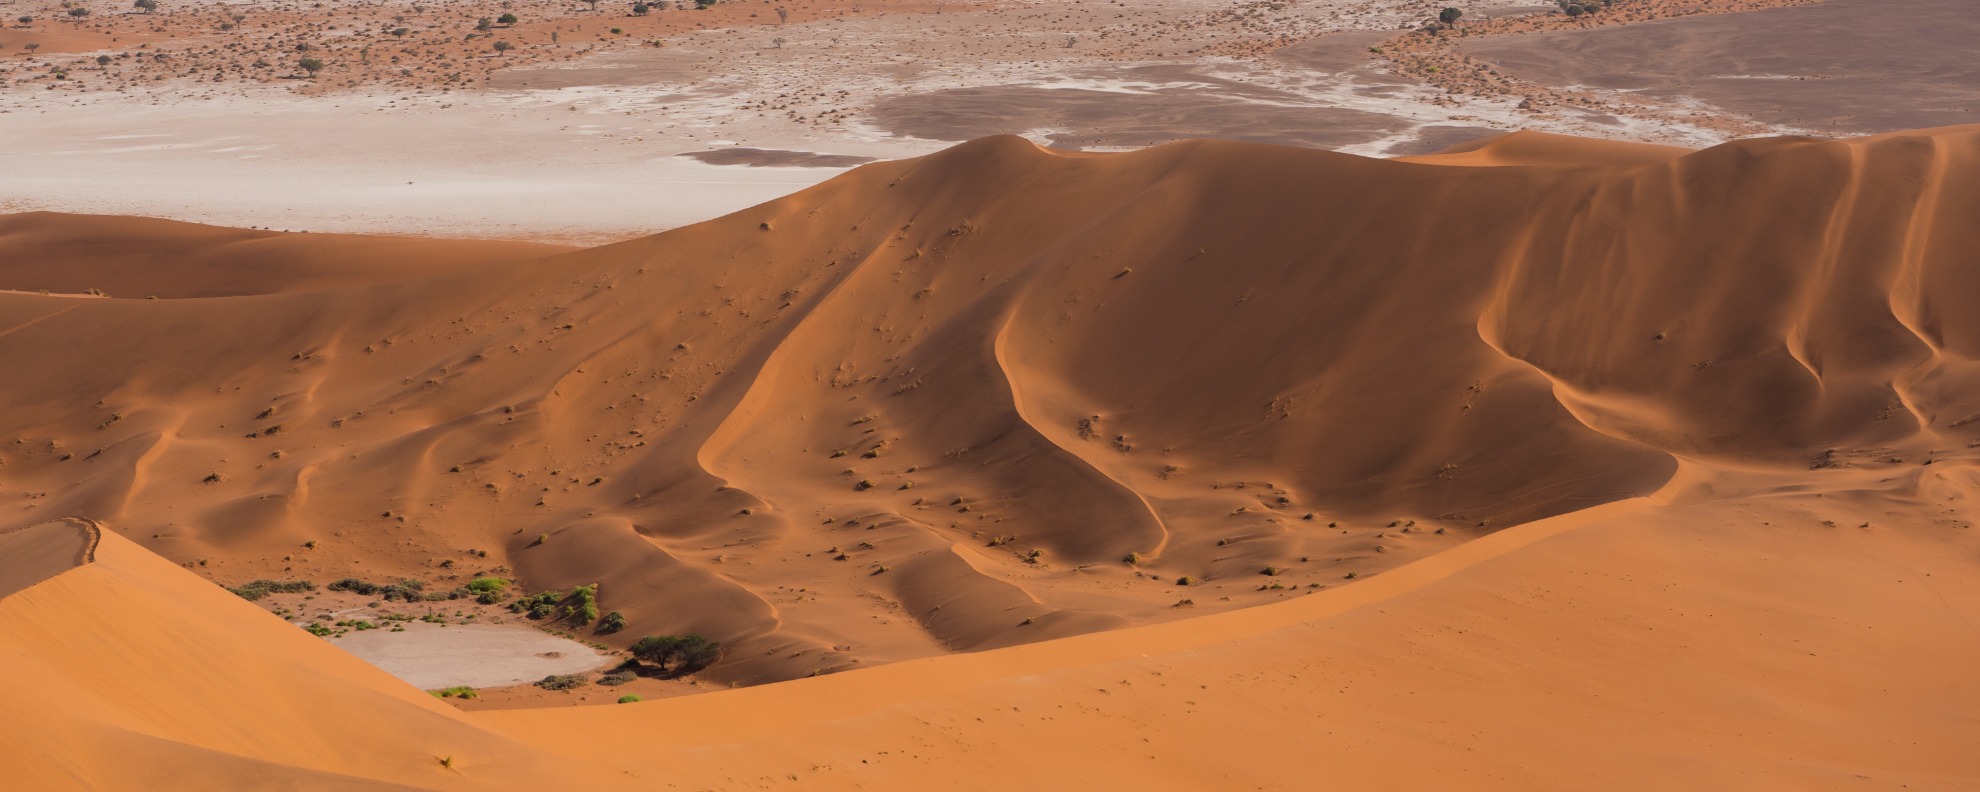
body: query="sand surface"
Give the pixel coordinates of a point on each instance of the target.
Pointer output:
(1642, 459)
(477, 655)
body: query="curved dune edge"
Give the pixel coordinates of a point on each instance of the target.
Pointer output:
(31, 554)
(1631, 646)
(1639, 644)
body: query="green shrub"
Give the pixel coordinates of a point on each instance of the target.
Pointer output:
(613, 622)
(457, 691)
(540, 605)
(629, 698)
(407, 590)
(583, 605)
(619, 677)
(262, 588)
(561, 681)
(486, 590)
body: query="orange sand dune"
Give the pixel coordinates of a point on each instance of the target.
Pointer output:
(987, 376)
(1630, 646)
(1664, 459)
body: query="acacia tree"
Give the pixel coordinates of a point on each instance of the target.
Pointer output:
(147, 6)
(1450, 16)
(507, 19)
(676, 655)
(311, 65)
(503, 47)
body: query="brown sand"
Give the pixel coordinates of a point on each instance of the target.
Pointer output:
(1660, 461)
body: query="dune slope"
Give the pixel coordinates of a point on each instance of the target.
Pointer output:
(127, 672)
(1001, 394)
(1638, 645)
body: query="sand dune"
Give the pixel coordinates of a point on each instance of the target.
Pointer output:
(1559, 398)
(1000, 369)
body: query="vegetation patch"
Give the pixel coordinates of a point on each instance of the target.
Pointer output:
(407, 590)
(561, 682)
(262, 588)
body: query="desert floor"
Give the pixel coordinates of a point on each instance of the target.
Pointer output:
(430, 132)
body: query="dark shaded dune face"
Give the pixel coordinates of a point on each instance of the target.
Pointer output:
(1799, 303)
(1837, 67)
(933, 405)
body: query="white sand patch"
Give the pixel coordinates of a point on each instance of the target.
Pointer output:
(431, 657)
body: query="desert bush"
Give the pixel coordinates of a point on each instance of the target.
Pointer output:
(561, 682)
(261, 588)
(407, 590)
(583, 605)
(540, 605)
(677, 655)
(629, 698)
(457, 691)
(507, 19)
(618, 677)
(613, 622)
(482, 585)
